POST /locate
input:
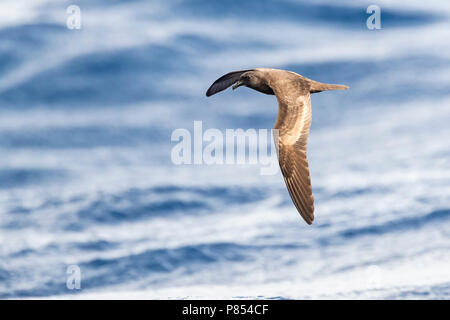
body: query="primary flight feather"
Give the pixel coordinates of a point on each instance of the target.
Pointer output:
(293, 122)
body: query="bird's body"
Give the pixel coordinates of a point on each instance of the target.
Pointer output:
(293, 122)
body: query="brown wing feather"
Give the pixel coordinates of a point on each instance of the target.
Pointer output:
(295, 170)
(293, 123)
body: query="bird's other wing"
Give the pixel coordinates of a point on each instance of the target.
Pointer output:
(293, 122)
(224, 82)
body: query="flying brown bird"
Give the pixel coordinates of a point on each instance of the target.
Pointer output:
(293, 121)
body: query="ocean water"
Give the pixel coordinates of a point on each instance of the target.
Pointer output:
(86, 178)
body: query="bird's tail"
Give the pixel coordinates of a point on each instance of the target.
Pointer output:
(319, 86)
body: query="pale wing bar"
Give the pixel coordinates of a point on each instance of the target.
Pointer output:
(293, 137)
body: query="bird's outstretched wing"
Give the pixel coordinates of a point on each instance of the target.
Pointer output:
(224, 82)
(293, 123)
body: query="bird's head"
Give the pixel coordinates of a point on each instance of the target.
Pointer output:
(254, 79)
(249, 79)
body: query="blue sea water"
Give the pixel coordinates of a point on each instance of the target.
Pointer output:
(86, 178)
